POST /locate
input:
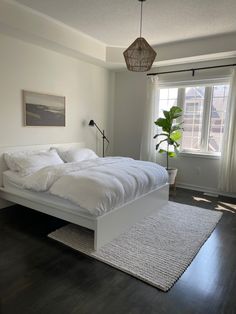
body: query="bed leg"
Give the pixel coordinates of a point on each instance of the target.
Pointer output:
(96, 240)
(100, 237)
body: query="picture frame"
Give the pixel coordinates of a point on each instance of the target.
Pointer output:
(43, 109)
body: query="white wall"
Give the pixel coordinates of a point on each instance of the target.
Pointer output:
(87, 89)
(130, 96)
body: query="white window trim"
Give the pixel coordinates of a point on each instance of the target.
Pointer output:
(206, 82)
(186, 153)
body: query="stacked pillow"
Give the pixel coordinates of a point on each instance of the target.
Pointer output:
(28, 162)
(76, 155)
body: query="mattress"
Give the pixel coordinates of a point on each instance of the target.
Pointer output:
(13, 183)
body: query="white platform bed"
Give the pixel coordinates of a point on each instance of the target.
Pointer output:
(106, 227)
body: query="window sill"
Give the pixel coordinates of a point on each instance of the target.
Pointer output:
(200, 155)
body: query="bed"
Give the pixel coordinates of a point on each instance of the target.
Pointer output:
(106, 226)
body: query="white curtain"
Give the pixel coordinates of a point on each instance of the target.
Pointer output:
(147, 149)
(227, 180)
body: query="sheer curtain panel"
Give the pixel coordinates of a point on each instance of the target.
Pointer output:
(147, 149)
(227, 180)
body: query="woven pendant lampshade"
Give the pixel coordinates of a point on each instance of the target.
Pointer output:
(139, 56)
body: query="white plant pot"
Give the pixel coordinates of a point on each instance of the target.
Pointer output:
(172, 175)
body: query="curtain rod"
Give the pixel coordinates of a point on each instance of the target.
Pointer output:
(193, 69)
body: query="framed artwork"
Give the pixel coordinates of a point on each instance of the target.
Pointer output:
(43, 110)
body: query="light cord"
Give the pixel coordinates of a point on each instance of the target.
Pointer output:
(141, 19)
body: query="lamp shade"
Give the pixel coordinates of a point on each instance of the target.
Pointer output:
(91, 123)
(139, 56)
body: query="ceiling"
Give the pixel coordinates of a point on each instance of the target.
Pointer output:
(116, 22)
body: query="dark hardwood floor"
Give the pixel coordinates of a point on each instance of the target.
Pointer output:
(40, 276)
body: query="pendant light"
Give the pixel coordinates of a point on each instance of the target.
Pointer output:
(139, 56)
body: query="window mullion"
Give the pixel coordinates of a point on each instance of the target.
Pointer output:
(206, 119)
(181, 98)
(180, 103)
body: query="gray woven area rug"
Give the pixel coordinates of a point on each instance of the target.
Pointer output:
(156, 250)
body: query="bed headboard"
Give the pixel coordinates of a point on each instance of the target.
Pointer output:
(3, 166)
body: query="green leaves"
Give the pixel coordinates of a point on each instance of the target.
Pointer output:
(166, 114)
(163, 123)
(176, 135)
(161, 134)
(176, 127)
(157, 146)
(167, 123)
(175, 112)
(170, 131)
(171, 154)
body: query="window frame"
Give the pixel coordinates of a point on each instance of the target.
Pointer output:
(206, 118)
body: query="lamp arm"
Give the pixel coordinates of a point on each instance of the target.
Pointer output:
(102, 132)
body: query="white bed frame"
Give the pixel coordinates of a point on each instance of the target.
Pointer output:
(107, 226)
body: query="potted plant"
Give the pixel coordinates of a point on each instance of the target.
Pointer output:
(170, 134)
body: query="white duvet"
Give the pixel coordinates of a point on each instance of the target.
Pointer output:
(101, 184)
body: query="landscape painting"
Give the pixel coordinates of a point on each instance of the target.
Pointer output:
(43, 109)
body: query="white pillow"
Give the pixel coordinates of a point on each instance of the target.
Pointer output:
(11, 157)
(75, 154)
(29, 162)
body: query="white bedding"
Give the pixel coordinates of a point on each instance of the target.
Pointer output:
(101, 184)
(14, 182)
(13, 179)
(28, 162)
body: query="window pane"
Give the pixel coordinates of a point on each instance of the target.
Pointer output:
(217, 118)
(163, 93)
(173, 93)
(168, 98)
(221, 90)
(196, 92)
(192, 117)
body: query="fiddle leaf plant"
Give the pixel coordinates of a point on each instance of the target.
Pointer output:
(171, 132)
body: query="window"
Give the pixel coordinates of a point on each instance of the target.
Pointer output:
(217, 117)
(192, 117)
(168, 98)
(204, 109)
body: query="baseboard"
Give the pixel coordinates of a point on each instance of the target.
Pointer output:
(203, 189)
(4, 204)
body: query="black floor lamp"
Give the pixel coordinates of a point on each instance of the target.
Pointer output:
(92, 123)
